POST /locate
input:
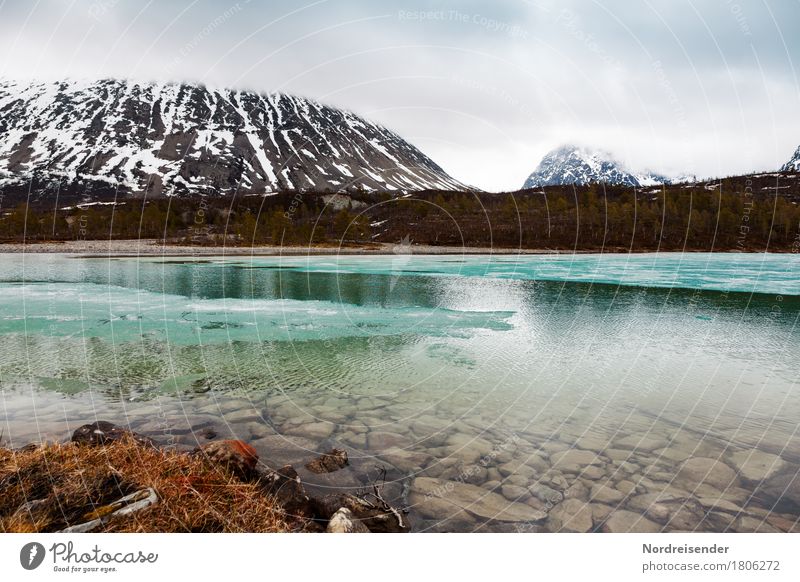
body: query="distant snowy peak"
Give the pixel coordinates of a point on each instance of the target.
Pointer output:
(572, 165)
(185, 138)
(793, 165)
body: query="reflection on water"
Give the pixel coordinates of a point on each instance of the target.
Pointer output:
(615, 407)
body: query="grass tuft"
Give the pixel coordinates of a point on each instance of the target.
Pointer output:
(53, 486)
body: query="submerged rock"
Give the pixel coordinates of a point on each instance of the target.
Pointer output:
(593, 473)
(719, 521)
(781, 493)
(209, 434)
(600, 512)
(657, 506)
(236, 456)
(347, 480)
(556, 480)
(685, 518)
(627, 487)
(469, 448)
(645, 443)
(473, 473)
(671, 454)
(622, 521)
(594, 442)
(576, 491)
(718, 504)
(702, 470)
(381, 440)
(259, 429)
(517, 467)
(749, 524)
(571, 516)
(787, 524)
(755, 465)
(574, 460)
(314, 430)
(450, 497)
(546, 494)
(605, 494)
(406, 461)
(514, 492)
(278, 450)
(329, 462)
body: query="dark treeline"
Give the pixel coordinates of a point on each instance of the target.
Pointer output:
(285, 218)
(745, 213)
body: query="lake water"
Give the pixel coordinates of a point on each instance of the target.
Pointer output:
(613, 392)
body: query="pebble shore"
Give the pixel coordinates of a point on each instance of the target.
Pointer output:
(148, 247)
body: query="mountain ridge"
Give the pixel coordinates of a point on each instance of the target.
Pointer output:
(575, 165)
(793, 165)
(176, 138)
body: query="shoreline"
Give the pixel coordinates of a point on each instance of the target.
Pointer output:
(107, 478)
(126, 248)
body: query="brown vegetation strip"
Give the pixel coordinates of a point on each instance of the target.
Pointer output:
(50, 487)
(759, 212)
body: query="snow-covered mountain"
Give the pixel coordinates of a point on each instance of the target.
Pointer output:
(793, 165)
(569, 164)
(183, 138)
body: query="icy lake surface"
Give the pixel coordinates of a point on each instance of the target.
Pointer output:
(510, 393)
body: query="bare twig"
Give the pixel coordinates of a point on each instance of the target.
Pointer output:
(380, 502)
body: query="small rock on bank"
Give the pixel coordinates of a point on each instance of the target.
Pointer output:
(343, 521)
(103, 432)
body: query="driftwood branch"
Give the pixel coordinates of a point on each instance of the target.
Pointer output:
(375, 500)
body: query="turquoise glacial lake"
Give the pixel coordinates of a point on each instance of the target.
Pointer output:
(648, 392)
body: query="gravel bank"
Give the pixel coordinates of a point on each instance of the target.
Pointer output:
(147, 247)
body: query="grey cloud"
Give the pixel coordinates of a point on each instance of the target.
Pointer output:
(484, 88)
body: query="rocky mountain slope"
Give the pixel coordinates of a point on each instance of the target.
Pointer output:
(188, 139)
(569, 164)
(793, 165)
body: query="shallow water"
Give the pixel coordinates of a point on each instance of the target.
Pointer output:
(470, 378)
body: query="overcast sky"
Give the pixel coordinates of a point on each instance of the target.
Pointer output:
(484, 88)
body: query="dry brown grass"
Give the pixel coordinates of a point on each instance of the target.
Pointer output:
(74, 481)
